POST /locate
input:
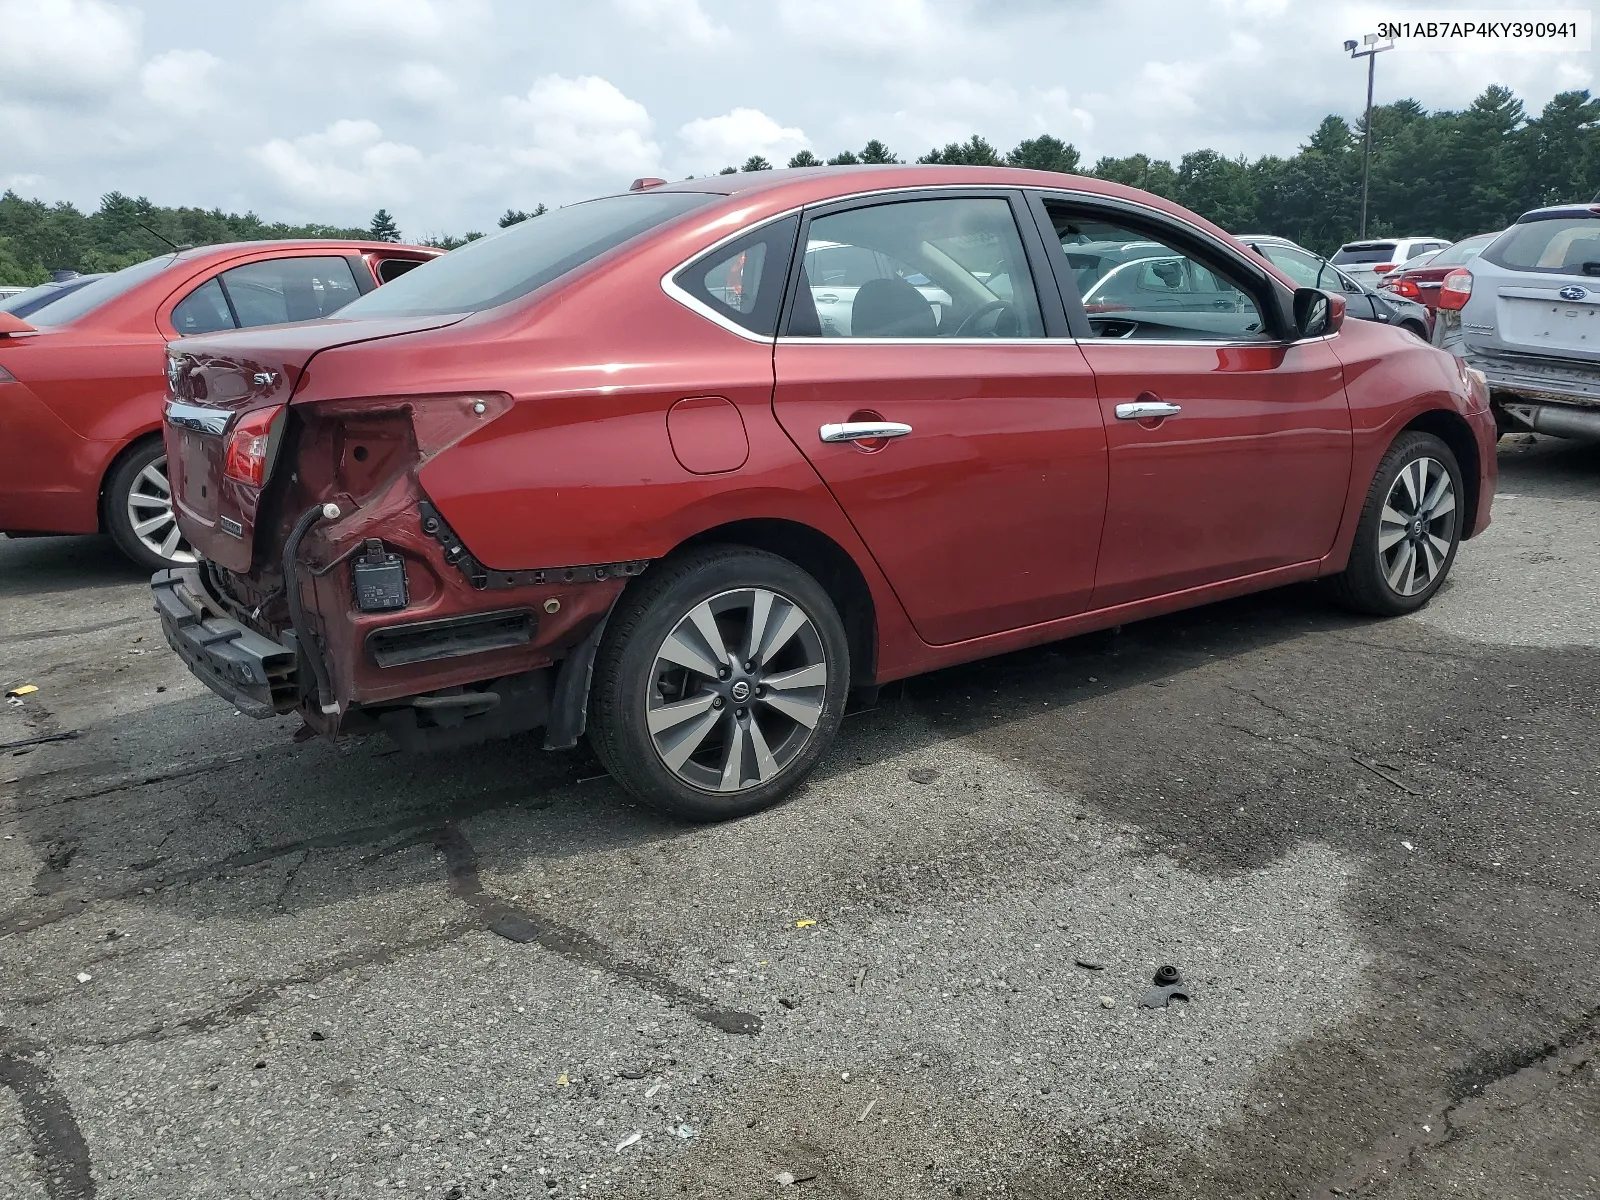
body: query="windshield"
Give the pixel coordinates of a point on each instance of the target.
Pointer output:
(1366, 252)
(1462, 252)
(1561, 243)
(92, 295)
(504, 266)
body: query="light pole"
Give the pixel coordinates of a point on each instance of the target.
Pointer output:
(1370, 46)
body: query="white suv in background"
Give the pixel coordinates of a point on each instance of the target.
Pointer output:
(1369, 261)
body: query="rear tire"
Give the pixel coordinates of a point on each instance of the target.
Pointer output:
(719, 684)
(1409, 532)
(138, 509)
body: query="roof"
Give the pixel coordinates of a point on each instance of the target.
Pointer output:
(362, 247)
(1575, 209)
(809, 185)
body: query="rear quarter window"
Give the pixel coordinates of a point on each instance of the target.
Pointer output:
(1558, 244)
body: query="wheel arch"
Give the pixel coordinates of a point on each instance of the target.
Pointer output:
(1452, 429)
(133, 445)
(829, 563)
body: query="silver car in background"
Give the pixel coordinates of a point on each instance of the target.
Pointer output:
(1526, 312)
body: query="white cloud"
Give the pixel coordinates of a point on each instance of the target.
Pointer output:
(421, 24)
(682, 22)
(928, 115)
(423, 83)
(726, 141)
(899, 28)
(179, 81)
(350, 162)
(580, 126)
(66, 49)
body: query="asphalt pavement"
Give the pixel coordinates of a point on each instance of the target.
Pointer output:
(236, 966)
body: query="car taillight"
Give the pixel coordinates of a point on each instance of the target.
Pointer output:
(246, 456)
(6, 376)
(1456, 290)
(1384, 268)
(1404, 287)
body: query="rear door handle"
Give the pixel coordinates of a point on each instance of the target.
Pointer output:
(1141, 410)
(863, 431)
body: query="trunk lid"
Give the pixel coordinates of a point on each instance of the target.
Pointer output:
(213, 383)
(1555, 317)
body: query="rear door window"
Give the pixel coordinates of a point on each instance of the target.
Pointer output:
(944, 268)
(1563, 244)
(281, 290)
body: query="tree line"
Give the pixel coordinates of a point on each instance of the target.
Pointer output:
(1447, 174)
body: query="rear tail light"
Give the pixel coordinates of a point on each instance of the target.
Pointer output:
(6, 376)
(245, 459)
(1384, 268)
(1403, 287)
(1456, 290)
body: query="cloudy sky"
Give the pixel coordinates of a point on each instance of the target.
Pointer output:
(448, 111)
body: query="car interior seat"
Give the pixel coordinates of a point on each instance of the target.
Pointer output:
(891, 308)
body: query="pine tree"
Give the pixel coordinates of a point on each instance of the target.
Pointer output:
(974, 152)
(805, 159)
(1044, 153)
(756, 163)
(383, 228)
(515, 216)
(876, 152)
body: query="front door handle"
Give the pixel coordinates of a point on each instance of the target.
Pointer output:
(1142, 410)
(863, 431)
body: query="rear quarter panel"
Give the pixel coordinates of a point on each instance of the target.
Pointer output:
(580, 470)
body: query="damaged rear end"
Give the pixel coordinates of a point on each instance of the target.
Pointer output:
(329, 583)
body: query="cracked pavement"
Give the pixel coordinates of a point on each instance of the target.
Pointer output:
(235, 966)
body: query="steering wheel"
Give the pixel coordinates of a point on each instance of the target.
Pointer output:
(981, 310)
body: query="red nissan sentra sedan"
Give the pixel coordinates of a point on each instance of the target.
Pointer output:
(82, 382)
(607, 471)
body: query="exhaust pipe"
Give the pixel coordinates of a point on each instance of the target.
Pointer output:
(1558, 420)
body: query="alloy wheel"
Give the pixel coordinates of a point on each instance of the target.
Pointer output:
(737, 689)
(150, 514)
(1416, 530)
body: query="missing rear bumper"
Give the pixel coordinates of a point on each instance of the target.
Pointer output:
(451, 637)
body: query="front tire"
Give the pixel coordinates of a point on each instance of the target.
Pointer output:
(1409, 532)
(138, 509)
(719, 684)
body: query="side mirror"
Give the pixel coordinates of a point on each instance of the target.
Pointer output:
(1317, 313)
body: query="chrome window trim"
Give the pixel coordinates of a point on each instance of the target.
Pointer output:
(694, 305)
(1041, 340)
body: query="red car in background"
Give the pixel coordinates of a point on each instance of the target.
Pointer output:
(608, 471)
(83, 378)
(1421, 283)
